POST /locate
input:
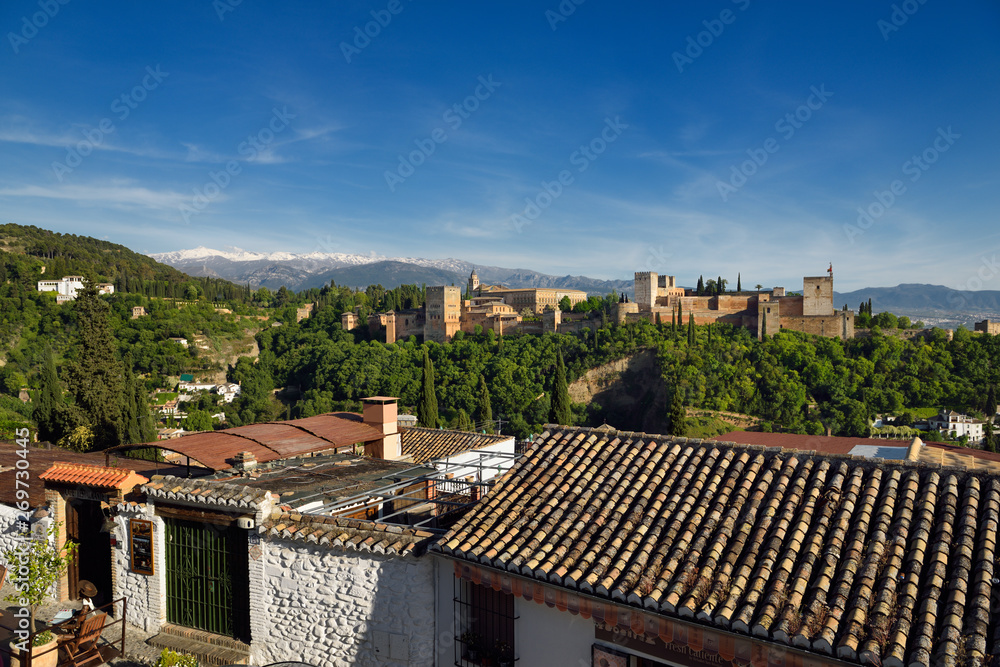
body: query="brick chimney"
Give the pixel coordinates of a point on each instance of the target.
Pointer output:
(380, 414)
(245, 461)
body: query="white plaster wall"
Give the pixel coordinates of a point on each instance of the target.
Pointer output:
(506, 446)
(322, 606)
(545, 636)
(144, 605)
(8, 529)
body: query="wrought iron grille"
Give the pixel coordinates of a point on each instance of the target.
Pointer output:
(200, 576)
(484, 621)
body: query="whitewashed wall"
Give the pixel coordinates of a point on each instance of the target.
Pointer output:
(145, 606)
(330, 607)
(8, 530)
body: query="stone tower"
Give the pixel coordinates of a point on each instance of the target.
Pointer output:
(473, 283)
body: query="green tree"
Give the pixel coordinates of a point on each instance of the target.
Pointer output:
(96, 376)
(989, 441)
(676, 416)
(990, 407)
(763, 324)
(701, 286)
(691, 339)
(565, 305)
(739, 285)
(562, 411)
(484, 411)
(198, 420)
(463, 422)
(427, 408)
(42, 563)
(49, 411)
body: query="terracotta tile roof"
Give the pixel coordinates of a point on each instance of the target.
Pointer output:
(41, 459)
(92, 475)
(356, 534)
(168, 487)
(871, 562)
(426, 444)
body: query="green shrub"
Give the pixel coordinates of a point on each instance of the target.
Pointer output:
(174, 659)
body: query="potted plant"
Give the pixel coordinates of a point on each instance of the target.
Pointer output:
(36, 564)
(472, 643)
(504, 653)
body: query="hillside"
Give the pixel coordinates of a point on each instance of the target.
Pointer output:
(934, 304)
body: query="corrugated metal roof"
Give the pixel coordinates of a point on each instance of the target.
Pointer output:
(271, 441)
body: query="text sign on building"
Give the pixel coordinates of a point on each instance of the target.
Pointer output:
(141, 544)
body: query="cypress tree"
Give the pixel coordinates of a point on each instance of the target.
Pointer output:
(427, 408)
(464, 423)
(680, 313)
(739, 285)
(701, 285)
(989, 443)
(675, 416)
(720, 286)
(659, 324)
(991, 403)
(96, 377)
(484, 411)
(561, 413)
(691, 329)
(763, 324)
(673, 320)
(130, 428)
(49, 404)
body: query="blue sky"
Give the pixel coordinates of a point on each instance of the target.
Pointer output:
(707, 138)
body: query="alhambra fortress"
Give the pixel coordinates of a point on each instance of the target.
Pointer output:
(657, 298)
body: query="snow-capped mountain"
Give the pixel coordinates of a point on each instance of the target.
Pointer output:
(315, 269)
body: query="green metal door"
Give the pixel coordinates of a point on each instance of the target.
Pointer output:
(205, 580)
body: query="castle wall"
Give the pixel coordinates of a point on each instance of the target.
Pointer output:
(987, 327)
(791, 306)
(838, 325)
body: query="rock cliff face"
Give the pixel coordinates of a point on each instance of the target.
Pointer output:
(628, 394)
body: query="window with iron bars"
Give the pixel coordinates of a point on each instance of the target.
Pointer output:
(484, 621)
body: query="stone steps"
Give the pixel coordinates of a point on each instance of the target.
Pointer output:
(210, 649)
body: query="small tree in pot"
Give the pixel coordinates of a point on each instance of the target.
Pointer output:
(36, 564)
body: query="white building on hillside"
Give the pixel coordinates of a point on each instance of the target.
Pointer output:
(954, 425)
(67, 287)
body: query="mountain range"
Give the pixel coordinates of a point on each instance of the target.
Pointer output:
(315, 269)
(933, 304)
